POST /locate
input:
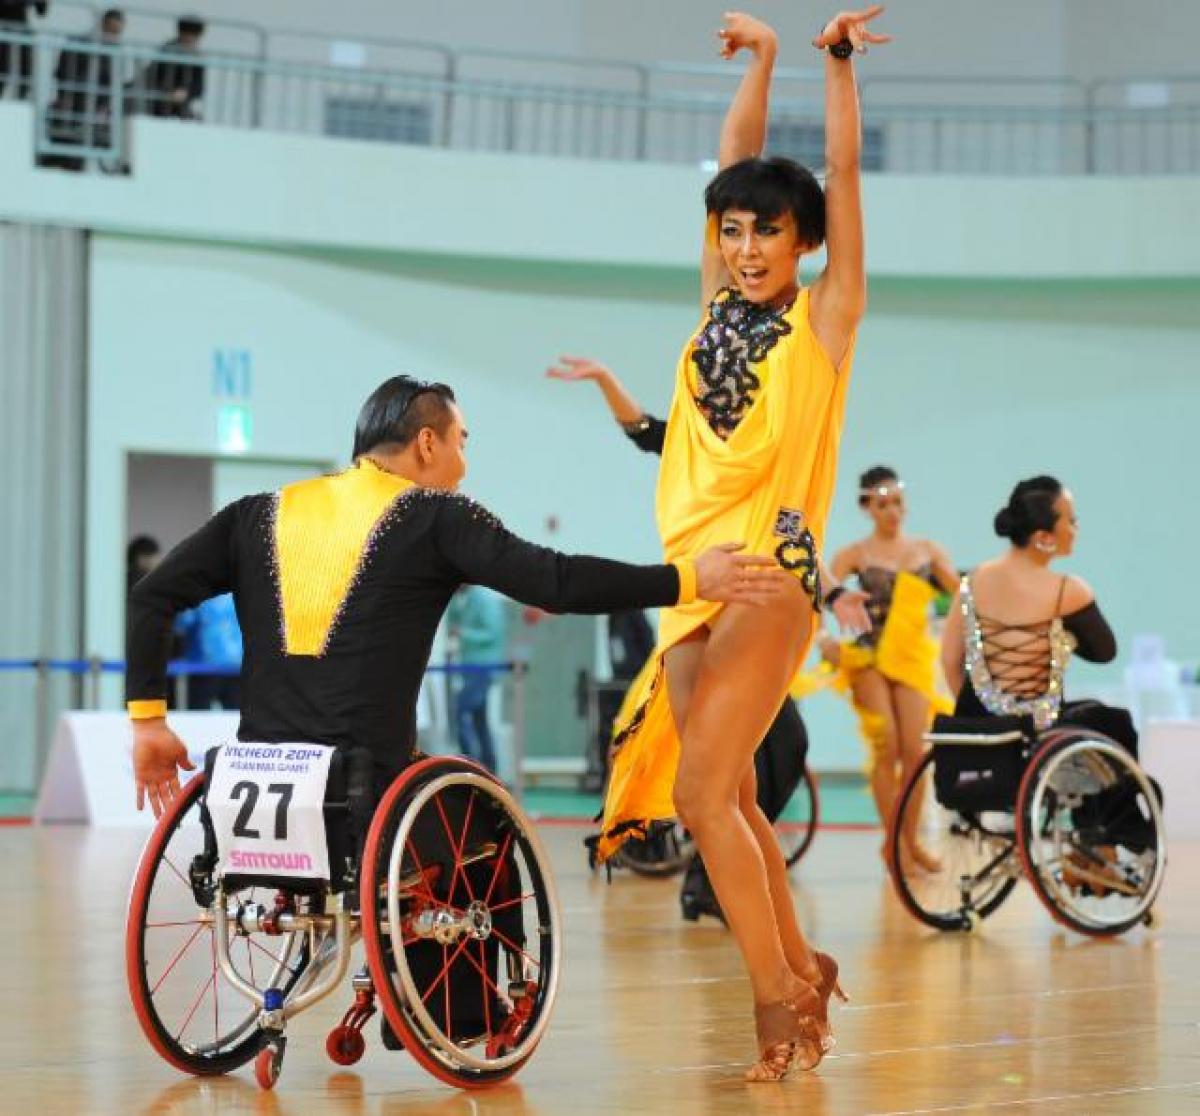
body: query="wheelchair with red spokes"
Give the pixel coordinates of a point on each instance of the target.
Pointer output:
(1068, 809)
(248, 901)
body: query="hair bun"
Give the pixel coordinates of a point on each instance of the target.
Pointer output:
(1005, 523)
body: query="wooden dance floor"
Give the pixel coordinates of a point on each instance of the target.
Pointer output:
(654, 1013)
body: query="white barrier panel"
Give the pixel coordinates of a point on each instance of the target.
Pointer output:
(1170, 752)
(89, 777)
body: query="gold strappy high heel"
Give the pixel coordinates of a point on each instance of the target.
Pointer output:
(786, 1030)
(827, 986)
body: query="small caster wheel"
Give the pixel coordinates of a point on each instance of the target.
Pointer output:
(689, 908)
(1150, 919)
(970, 921)
(345, 1045)
(269, 1064)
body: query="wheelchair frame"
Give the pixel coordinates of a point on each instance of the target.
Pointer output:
(398, 901)
(1080, 887)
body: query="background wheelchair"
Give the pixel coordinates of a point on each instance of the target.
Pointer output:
(1069, 809)
(667, 849)
(445, 881)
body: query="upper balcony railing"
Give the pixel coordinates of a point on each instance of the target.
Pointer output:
(405, 92)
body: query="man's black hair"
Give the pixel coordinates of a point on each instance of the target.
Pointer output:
(769, 188)
(190, 25)
(112, 14)
(397, 410)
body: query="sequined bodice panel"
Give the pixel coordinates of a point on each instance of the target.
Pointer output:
(737, 335)
(879, 584)
(1015, 669)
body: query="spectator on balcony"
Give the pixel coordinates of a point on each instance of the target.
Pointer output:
(176, 88)
(83, 107)
(16, 60)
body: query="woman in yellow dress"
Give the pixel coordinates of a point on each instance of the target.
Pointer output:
(750, 457)
(890, 669)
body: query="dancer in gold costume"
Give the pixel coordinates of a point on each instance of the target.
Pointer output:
(751, 454)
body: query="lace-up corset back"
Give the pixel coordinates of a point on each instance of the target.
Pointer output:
(1016, 669)
(879, 584)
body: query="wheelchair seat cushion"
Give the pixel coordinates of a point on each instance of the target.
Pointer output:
(977, 776)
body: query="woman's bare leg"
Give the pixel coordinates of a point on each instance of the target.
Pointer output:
(912, 719)
(740, 682)
(795, 947)
(871, 693)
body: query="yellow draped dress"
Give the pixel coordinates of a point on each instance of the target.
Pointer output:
(769, 484)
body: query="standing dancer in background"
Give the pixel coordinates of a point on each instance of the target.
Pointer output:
(751, 453)
(890, 669)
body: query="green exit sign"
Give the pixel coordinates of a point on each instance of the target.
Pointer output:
(235, 428)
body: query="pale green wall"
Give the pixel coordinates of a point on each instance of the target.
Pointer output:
(965, 387)
(294, 190)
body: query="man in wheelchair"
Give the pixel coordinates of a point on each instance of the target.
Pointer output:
(340, 583)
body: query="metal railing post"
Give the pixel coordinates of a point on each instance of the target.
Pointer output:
(643, 123)
(91, 699)
(256, 81)
(41, 715)
(1089, 129)
(450, 76)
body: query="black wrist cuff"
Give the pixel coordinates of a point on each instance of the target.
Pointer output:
(842, 50)
(832, 596)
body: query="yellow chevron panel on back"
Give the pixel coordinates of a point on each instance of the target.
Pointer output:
(322, 529)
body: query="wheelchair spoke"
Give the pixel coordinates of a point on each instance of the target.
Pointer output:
(513, 946)
(500, 859)
(481, 965)
(250, 962)
(481, 968)
(445, 969)
(512, 902)
(176, 959)
(196, 1003)
(166, 925)
(446, 986)
(457, 846)
(182, 878)
(427, 893)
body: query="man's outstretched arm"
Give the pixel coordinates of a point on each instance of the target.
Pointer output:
(481, 550)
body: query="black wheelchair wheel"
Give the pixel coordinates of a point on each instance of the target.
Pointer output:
(460, 922)
(797, 825)
(977, 853)
(664, 851)
(1091, 833)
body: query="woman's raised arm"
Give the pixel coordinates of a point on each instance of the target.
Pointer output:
(839, 296)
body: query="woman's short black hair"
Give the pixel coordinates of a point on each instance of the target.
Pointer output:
(397, 410)
(1030, 509)
(873, 478)
(768, 188)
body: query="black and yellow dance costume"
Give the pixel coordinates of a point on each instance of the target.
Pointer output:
(340, 584)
